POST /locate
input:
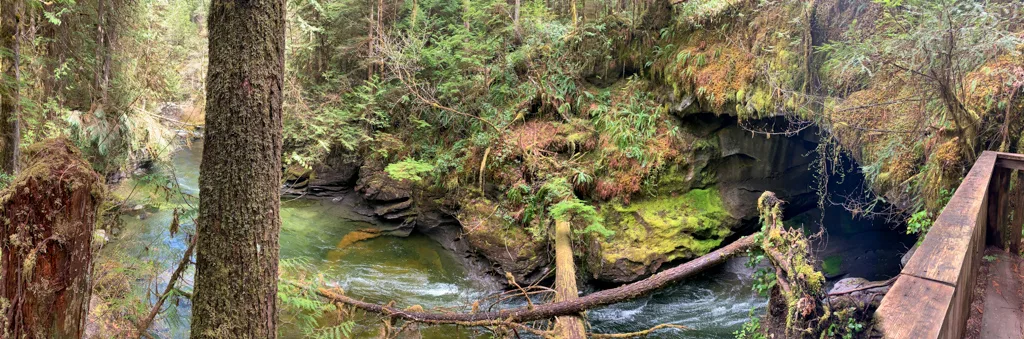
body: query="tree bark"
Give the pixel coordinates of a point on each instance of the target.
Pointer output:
(10, 87)
(569, 326)
(555, 309)
(239, 209)
(49, 213)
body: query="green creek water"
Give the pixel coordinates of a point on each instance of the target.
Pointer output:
(417, 271)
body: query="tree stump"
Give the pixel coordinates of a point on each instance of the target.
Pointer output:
(47, 216)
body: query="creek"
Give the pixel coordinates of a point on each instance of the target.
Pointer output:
(416, 270)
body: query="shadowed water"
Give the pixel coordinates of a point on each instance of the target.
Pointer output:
(417, 271)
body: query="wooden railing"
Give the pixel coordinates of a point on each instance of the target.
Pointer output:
(932, 295)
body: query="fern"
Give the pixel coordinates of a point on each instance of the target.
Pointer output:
(409, 169)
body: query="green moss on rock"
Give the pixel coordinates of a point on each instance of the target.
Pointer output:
(651, 232)
(502, 242)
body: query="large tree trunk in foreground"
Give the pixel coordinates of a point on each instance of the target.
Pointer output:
(569, 326)
(10, 55)
(49, 212)
(239, 220)
(555, 309)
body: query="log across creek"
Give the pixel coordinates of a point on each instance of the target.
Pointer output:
(559, 308)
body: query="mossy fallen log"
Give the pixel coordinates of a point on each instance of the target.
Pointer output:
(568, 326)
(48, 213)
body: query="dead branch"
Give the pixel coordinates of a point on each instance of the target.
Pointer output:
(185, 260)
(637, 333)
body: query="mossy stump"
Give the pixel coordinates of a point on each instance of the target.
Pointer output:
(48, 213)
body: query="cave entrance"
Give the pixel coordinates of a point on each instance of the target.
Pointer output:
(860, 236)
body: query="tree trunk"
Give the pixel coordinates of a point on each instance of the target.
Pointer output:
(570, 326)
(239, 218)
(97, 75)
(50, 211)
(10, 87)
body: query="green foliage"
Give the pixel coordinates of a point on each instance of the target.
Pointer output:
(574, 208)
(919, 222)
(764, 277)
(409, 169)
(307, 310)
(5, 179)
(751, 329)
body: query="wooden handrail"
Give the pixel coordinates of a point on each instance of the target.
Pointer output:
(932, 295)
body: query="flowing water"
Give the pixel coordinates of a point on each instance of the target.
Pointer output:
(417, 271)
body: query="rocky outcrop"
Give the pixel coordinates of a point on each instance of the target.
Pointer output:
(652, 232)
(749, 164)
(329, 178)
(336, 173)
(510, 248)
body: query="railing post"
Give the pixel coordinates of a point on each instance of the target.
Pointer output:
(1013, 227)
(998, 211)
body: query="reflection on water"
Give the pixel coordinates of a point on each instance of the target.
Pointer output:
(418, 271)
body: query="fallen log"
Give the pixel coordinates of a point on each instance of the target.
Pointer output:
(567, 326)
(555, 309)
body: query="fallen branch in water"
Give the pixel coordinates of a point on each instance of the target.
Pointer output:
(186, 259)
(637, 333)
(555, 309)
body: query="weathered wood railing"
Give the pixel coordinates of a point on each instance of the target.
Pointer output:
(932, 296)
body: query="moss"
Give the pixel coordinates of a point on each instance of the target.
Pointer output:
(502, 241)
(666, 228)
(832, 265)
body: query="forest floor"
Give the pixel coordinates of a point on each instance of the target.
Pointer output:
(997, 312)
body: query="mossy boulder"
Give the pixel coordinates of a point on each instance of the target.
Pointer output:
(655, 231)
(508, 246)
(375, 185)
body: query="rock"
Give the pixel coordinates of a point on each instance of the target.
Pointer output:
(508, 247)
(392, 208)
(847, 284)
(99, 239)
(684, 105)
(378, 186)
(652, 232)
(137, 208)
(842, 290)
(751, 164)
(906, 256)
(338, 171)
